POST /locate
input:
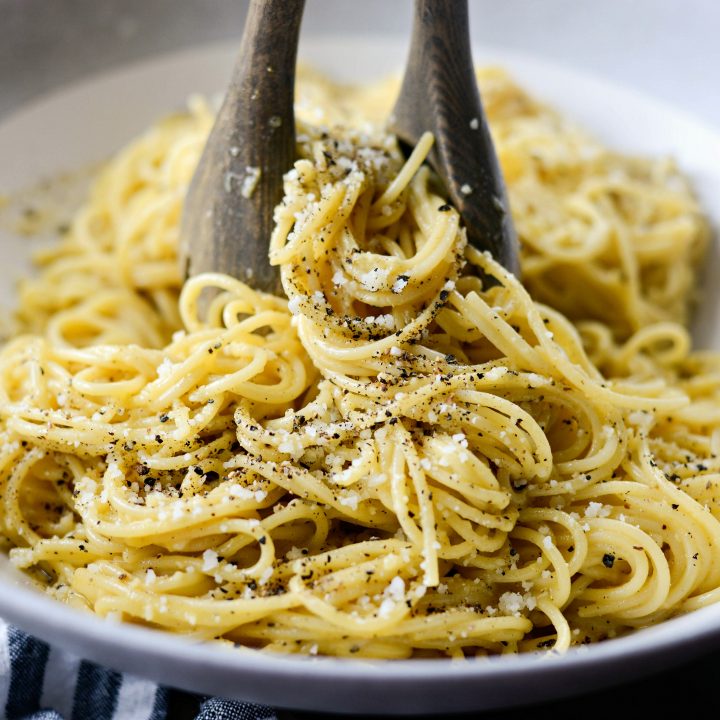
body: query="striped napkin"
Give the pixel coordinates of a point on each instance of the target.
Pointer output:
(40, 682)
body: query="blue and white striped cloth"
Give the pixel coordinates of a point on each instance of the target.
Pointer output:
(40, 682)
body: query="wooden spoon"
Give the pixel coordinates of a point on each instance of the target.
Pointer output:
(440, 94)
(228, 213)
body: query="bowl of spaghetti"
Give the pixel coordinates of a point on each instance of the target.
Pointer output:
(413, 472)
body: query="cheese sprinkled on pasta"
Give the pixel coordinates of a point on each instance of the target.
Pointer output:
(414, 454)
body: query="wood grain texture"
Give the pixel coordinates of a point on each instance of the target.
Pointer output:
(440, 94)
(223, 229)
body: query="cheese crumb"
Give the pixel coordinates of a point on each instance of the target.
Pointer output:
(294, 304)
(374, 279)
(396, 589)
(386, 607)
(400, 284)
(210, 560)
(596, 509)
(350, 501)
(511, 603)
(250, 181)
(496, 373)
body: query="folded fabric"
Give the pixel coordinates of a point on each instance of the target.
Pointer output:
(41, 682)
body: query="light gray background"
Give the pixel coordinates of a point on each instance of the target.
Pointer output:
(669, 48)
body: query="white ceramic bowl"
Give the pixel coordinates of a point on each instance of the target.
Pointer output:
(85, 123)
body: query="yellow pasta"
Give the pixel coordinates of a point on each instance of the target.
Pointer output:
(413, 454)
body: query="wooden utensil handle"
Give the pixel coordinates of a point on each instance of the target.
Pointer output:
(440, 94)
(251, 146)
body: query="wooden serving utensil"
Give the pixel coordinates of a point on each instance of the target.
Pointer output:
(440, 94)
(228, 214)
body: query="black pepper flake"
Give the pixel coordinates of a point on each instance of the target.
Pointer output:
(675, 506)
(211, 475)
(445, 208)
(198, 470)
(164, 418)
(262, 540)
(608, 560)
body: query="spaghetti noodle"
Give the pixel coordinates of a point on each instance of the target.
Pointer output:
(398, 459)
